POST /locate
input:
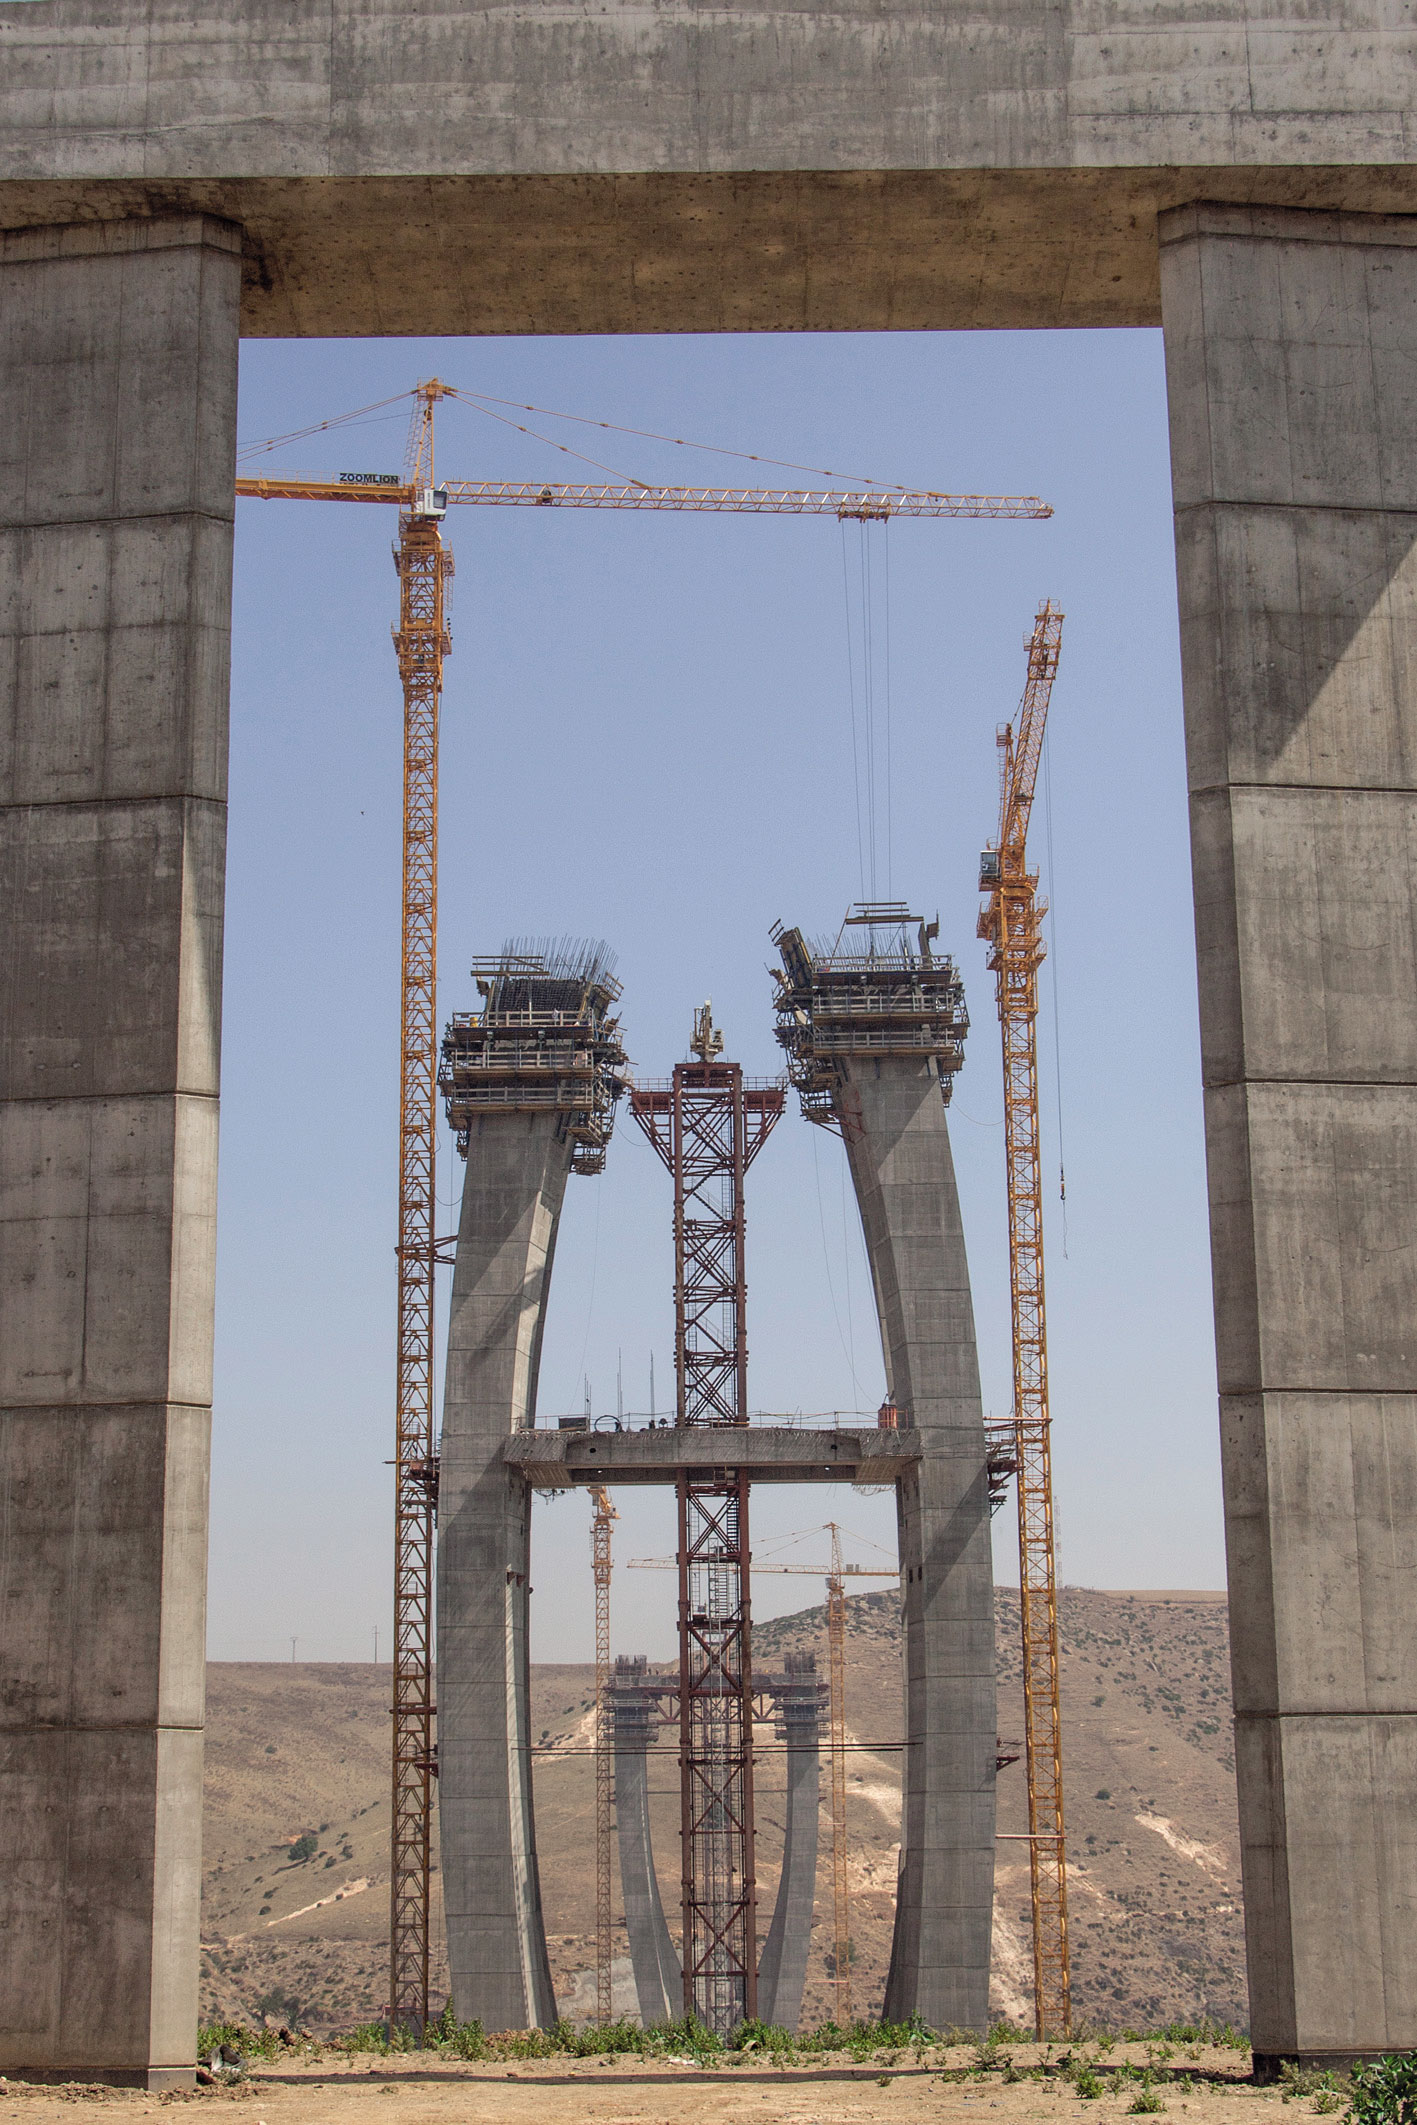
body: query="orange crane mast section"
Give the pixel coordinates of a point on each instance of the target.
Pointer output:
(1012, 924)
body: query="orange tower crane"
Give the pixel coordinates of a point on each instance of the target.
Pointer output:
(604, 1513)
(422, 641)
(1012, 924)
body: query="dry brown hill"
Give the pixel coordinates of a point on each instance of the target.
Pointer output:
(301, 1753)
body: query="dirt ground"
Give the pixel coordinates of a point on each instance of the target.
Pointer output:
(937, 2090)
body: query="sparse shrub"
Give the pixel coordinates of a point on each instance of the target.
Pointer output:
(302, 1848)
(230, 2042)
(1385, 2093)
(1144, 2102)
(1087, 2084)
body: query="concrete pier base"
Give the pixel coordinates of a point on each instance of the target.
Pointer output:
(1292, 375)
(118, 348)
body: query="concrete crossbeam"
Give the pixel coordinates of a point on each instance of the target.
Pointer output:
(118, 369)
(771, 1453)
(1292, 374)
(583, 168)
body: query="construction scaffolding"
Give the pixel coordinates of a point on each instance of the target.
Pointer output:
(708, 1126)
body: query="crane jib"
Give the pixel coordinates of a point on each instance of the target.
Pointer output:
(847, 505)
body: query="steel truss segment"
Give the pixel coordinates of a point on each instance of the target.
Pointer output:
(707, 1125)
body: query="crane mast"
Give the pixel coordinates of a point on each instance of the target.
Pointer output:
(1011, 923)
(421, 642)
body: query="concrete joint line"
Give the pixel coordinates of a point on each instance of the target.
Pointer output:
(1326, 1084)
(53, 1098)
(129, 804)
(108, 523)
(1308, 789)
(1323, 509)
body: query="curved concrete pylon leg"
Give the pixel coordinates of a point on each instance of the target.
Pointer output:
(782, 1971)
(516, 1177)
(659, 1986)
(897, 1141)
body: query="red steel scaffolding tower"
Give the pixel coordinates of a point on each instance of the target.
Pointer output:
(708, 1126)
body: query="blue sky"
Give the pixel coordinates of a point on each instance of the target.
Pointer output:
(648, 737)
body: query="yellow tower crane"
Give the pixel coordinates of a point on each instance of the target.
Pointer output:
(1012, 924)
(421, 641)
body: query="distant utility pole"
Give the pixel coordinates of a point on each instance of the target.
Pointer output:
(376, 1645)
(293, 1643)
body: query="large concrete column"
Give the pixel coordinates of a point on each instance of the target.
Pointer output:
(1291, 353)
(118, 346)
(517, 1166)
(898, 1145)
(782, 1969)
(659, 1980)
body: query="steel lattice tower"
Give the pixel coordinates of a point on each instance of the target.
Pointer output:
(708, 1126)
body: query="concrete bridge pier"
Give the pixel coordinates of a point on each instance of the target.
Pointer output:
(874, 1029)
(530, 1083)
(659, 1981)
(118, 345)
(1291, 355)
(511, 1207)
(782, 1971)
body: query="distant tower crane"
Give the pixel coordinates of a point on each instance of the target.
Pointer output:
(1012, 924)
(421, 641)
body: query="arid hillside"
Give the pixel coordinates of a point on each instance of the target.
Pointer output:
(295, 1899)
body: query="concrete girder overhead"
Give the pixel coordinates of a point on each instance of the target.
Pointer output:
(119, 343)
(435, 168)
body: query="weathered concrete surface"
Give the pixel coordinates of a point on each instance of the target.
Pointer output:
(898, 1145)
(771, 1453)
(430, 167)
(118, 379)
(515, 1183)
(782, 1969)
(1291, 347)
(659, 1982)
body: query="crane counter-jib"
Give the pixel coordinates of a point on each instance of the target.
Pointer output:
(861, 505)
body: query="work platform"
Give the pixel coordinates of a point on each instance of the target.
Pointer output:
(767, 1453)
